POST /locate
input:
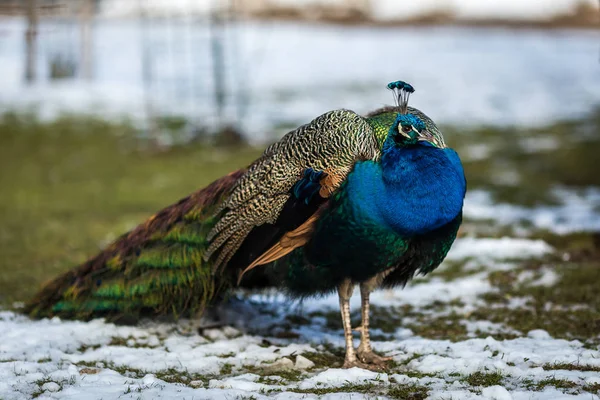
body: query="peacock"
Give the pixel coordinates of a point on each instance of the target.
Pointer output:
(344, 200)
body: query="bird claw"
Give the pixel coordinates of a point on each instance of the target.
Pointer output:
(360, 364)
(371, 358)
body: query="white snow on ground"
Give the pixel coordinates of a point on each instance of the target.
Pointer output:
(498, 249)
(37, 353)
(56, 359)
(548, 278)
(576, 211)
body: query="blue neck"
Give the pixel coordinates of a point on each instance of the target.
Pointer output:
(413, 190)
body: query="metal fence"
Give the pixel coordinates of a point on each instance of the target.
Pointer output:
(188, 65)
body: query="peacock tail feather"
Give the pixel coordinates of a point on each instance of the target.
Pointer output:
(157, 268)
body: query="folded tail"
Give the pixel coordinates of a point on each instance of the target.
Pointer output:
(157, 268)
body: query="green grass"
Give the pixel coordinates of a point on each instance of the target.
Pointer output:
(516, 169)
(570, 367)
(170, 375)
(557, 383)
(71, 186)
(484, 378)
(326, 359)
(392, 391)
(568, 309)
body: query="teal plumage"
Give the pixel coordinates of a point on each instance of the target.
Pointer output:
(367, 230)
(342, 200)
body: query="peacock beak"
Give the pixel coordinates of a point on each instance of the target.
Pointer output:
(427, 136)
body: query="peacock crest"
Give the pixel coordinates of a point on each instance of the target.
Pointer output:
(402, 91)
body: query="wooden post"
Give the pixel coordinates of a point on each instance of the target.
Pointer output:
(241, 88)
(151, 123)
(31, 41)
(86, 16)
(218, 61)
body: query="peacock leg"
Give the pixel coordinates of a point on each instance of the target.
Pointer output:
(345, 292)
(365, 351)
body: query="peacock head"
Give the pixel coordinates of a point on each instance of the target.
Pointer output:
(408, 128)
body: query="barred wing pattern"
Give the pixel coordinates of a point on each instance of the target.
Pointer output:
(333, 142)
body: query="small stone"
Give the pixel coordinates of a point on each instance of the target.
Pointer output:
(496, 393)
(303, 363)
(18, 304)
(539, 334)
(281, 364)
(230, 332)
(196, 384)
(148, 379)
(153, 341)
(214, 334)
(89, 371)
(51, 387)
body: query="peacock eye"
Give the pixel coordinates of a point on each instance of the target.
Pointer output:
(406, 128)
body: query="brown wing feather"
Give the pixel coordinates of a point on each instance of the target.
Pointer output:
(332, 181)
(302, 234)
(288, 242)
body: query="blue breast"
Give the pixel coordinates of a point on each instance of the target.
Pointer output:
(412, 190)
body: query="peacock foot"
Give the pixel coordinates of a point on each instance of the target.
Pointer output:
(360, 364)
(371, 358)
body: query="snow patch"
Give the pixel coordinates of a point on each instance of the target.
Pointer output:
(577, 211)
(334, 377)
(489, 249)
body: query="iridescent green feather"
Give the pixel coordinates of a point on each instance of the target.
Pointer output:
(381, 124)
(382, 120)
(158, 268)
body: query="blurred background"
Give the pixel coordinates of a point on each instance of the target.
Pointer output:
(113, 109)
